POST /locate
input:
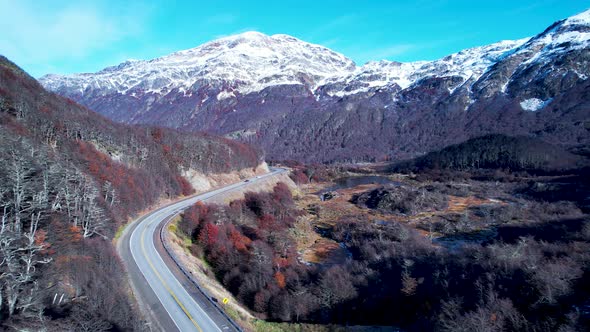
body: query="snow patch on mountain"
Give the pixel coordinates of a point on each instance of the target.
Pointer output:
(225, 94)
(252, 61)
(534, 104)
(582, 18)
(564, 36)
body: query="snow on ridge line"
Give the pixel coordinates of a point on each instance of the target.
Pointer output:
(581, 18)
(469, 64)
(162, 69)
(254, 61)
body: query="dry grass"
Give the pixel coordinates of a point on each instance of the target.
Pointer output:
(324, 251)
(460, 204)
(315, 249)
(312, 247)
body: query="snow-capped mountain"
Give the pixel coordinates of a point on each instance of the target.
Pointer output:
(252, 61)
(468, 64)
(247, 62)
(276, 90)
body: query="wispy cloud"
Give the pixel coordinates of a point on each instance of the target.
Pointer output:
(33, 34)
(222, 18)
(236, 32)
(403, 50)
(531, 7)
(332, 25)
(330, 42)
(389, 52)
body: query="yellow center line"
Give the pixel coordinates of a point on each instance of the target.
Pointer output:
(165, 284)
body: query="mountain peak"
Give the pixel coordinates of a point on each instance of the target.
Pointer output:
(245, 62)
(582, 18)
(247, 36)
(284, 93)
(563, 36)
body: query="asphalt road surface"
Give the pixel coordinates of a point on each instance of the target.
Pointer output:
(171, 301)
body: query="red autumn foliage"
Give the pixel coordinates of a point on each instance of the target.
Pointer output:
(208, 236)
(157, 134)
(280, 279)
(131, 184)
(185, 187)
(75, 233)
(254, 255)
(267, 222)
(239, 241)
(282, 194)
(299, 177)
(282, 262)
(90, 168)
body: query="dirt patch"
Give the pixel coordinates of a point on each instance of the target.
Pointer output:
(314, 248)
(202, 182)
(263, 185)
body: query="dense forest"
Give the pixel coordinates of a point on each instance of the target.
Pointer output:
(495, 152)
(69, 179)
(249, 245)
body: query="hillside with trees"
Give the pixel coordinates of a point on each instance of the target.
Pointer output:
(495, 152)
(69, 178)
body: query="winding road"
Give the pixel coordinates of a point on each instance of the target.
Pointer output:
(172, 301)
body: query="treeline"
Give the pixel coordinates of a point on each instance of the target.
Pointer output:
(308, 173)
(68, 179)
(494, 152)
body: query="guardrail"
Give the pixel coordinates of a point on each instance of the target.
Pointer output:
(188, 274)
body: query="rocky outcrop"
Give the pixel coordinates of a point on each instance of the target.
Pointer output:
(402, 200)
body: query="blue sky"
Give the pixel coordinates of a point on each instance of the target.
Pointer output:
(81, 36)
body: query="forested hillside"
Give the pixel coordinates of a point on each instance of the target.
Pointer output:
(496, 152)
(69, 178)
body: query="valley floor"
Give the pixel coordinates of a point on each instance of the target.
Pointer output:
(404, 252)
